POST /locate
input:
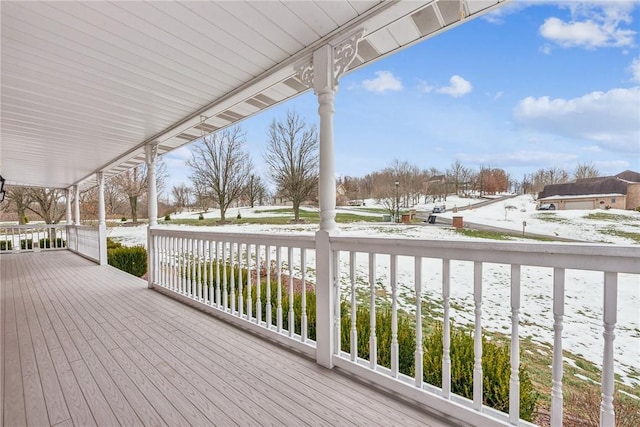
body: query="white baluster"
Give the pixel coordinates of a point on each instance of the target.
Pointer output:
(269, 307)
(279, 296)
(514, 381)
(218, 262)
(354, 330)
(394, 316)
(292, 320)
(240, 287)
(477, 336)
(303, 267)
(232, 277)
(337, 347)
(446, 330)
(418, 286)
(607, 413)
(373, 344)
(210, 283)
(199, 275)
(225, 283)
(258, 288)
(248, 289)
(556, 369)
(194, 278)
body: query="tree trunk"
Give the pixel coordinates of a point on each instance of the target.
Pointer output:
(133, 201)
(21, 216)
(296, 211)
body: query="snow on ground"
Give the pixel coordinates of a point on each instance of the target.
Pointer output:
(582, 334)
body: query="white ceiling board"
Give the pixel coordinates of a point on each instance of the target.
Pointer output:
(85, 85)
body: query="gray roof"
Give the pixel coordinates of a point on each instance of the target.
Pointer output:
(605, 185)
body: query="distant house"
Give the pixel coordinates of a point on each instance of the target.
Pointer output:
(621, 191)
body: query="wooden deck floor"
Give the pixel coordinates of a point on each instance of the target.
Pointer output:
(90, 345)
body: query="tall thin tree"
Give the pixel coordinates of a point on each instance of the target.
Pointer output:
(292, 159)
(221, 166)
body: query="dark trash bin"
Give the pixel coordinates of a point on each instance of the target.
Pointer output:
(432, 219)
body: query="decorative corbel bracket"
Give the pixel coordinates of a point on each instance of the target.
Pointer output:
(151, 152)
(343, 52)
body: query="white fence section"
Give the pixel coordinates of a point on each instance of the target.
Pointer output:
(85, 241)
(255, 280)
(16, 238)
(215, 272)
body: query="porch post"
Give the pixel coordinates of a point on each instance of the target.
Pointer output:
(68, 197)
(151, 155)
(102, 223)
(321, 72)
(76, 204)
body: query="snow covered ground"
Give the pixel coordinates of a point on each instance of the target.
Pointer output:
(582, 333)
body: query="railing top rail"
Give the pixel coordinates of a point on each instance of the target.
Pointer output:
(295, 240)
(85, 227)
(31, 226)
(580, 256)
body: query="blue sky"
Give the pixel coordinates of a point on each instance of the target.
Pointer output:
(532, 85)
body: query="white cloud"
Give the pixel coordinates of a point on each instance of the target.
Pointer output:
(458, 87)
(592, 25)
(634, 69)
(384, 81)
(546, 49)
(425, 87)
(610, 119)
(497, 16)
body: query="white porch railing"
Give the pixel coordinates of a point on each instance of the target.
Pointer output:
(257, 280)
(85, 241)
(35, 237)
(214, 270)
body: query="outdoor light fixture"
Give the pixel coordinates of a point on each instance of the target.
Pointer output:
(1, 189)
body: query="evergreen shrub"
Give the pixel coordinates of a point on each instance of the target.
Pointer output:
(5, 245)
(112, 244)
(26, 244)
(132, 260)
(46, 243)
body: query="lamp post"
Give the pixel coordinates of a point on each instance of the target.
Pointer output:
(397, 201)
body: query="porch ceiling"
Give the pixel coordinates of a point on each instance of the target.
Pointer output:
(86, 84)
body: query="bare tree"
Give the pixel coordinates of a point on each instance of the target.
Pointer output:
(292, 158)
(134, 183)
(221, 166)
(255, 190)
(455, 175)
(47, 205)
(181, 196)
(585, 170)
(19, 200)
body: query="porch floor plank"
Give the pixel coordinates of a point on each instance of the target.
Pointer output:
(86, 344)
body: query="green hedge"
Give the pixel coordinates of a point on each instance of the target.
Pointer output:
(46, 243)
(132, 260)
(5, 245)
(26, 244)
(112, 244)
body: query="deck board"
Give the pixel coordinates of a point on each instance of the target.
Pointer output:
(86, 344)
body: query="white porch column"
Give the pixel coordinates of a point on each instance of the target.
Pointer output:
(68, 197)
(76, 205)
(102, 223)
(151, 155)
(321, 72)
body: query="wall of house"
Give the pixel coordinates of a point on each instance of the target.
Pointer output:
(613, 202)
(633, 196)
(619, 203)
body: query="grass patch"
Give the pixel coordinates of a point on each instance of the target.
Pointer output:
(606, 216)
(551, 217)
(495, 235)
(620, 233)
(307, 216)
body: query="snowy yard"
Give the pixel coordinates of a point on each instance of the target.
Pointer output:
(584, 290)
